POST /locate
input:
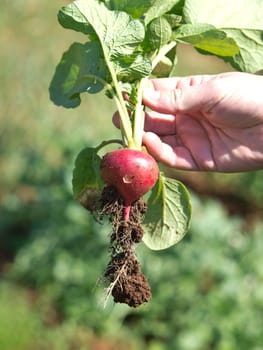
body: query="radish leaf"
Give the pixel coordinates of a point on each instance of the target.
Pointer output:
(224, 13)
(159, 33)
(70, 18)
(250, 56)
(132, 67)
(168, 217)
(207, 38)
(245, 26)
(136, 8)
(117, 32)
(86, 173)
(111, 54)
(159, 8)
(77, 72)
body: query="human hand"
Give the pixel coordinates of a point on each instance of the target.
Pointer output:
(209, 123)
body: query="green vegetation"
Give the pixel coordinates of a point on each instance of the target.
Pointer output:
(19, 326)
(207, 291)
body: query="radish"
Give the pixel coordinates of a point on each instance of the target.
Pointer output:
(120, 62)
(131, 172)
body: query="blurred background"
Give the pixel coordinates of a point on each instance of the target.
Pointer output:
(207, 290)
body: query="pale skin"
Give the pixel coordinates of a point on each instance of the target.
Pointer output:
(206, 122)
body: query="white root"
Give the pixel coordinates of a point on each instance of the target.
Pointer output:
(108, 290)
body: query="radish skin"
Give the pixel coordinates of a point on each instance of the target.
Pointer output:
(131, 172)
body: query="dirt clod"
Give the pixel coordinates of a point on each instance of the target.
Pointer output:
(127, 283)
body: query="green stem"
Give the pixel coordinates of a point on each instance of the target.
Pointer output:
(139, 112)
(139, 116)
(162, 52)
(108, 142)
(121, 106)
(125, 119)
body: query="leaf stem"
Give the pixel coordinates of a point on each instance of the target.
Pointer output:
(139, 113)
(139, 116)
(162, 52)
(121, 106)
(108, 142)
(119, 101)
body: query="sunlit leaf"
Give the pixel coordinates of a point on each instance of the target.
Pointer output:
(207, 38)
(159, 32)
(136, 8)
(77, 72)
(168, 216)
(250, 56)
(86, 173)
(241, 20)
(159, 8)
(225, 14)
(118, 32)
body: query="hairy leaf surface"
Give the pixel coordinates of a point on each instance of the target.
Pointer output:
(159, 8)
(86, 173)
(250, 57)
(225, 14)
(133, 67)
(70, 18)
(239, 19)
(77, 72)
(168, 216)
(159, 33)
(136, 8)
(207, 38)
(117, 32)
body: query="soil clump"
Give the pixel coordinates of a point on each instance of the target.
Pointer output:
(127, 282)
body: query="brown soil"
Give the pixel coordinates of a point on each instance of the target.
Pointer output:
(127, 283)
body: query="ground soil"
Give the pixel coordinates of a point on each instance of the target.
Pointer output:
(127, 283)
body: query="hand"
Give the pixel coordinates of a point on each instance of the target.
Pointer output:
(210, 123)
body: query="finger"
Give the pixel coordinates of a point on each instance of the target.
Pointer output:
(116, 120)
(180, 94)
(178, 157)
(172, 83)
(161, 124)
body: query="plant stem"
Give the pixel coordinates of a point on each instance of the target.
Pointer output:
(126, 129)
(121, 106)
(139, 113)
(139, 116)
(108, 142)
(125, 121)
(162, 52)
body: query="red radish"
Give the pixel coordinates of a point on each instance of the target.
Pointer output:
(131, 172)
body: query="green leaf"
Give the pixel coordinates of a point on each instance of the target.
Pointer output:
(86, 180)
(174, 20)
(244, 25)
(225, 14)
(69, 18)
(135, 8)
(159, 8)
(250, 57)
(159, 33)
(77, 72)
(207, 38)
(168, 217)
(118, 35)
(117, 32)
(132, 67)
